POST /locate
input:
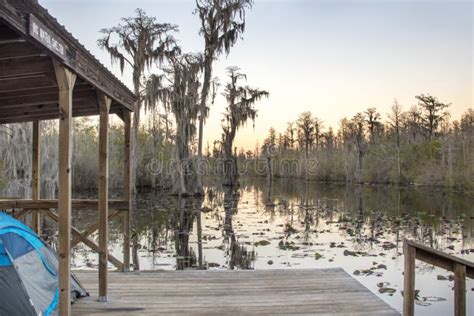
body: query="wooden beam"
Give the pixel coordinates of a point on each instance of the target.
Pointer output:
(18, 67)
(89, 243)
(120, 115)
(92, 228)
(10, 41)
(52, 108)
(199, 238)
(50, 112)
(47, 98)
(21, 213)
(76, 58)
(18, 49)
(440, 259)
(66, 79)
(35, 181)
(104, 106)
(409, 280)
(46, 115)
(47, 204)
(22, 91)
(459, 289)
(30, 82)
(127, 189)
(7, 34)
(459, 266)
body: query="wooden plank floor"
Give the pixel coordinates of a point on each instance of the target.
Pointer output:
(193, 292)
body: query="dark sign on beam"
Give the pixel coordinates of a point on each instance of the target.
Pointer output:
(46, 37)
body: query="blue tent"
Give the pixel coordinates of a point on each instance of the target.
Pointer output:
(28, 272)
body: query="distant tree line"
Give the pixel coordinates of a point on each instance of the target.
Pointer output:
(421, 146)
(418, 146)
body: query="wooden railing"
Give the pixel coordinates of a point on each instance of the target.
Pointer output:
(118, 208)
(461, 268)
(46, 204)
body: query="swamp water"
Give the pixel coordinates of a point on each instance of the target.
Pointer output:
(301, 225)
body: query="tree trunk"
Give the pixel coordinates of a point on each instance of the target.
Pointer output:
(361, 157)
(133, 168)
(231, 174)
(204, 94)
(135, 128)
(269, 169)
(201, 135)
(156, 143)
(398, 166)
(186, 179)
(398, 157)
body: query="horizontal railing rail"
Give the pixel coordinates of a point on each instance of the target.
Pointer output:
(460, 267)
(53, 203)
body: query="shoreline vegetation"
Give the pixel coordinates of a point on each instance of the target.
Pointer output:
(443, 161)
(175, 91)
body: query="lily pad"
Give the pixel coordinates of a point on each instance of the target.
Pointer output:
(262, 243)
(350, 253)
(388, 290)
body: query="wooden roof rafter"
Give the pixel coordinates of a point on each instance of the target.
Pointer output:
(30, 38)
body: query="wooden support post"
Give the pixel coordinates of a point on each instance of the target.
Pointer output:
(126, 240)
(35, 178)
(409, 280)
(127, 190)
(104, 108)
(199, 238)
(66, 80)
(459, 289)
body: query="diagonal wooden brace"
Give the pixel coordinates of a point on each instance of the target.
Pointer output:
(117, 263)
(92, 228)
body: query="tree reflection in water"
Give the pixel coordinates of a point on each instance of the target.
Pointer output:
(299, 224)
(183, 221)
(239, 256)
(222, 227)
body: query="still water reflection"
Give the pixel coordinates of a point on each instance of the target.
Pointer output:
(299, 224)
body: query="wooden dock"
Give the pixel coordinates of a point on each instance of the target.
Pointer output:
(208, 292)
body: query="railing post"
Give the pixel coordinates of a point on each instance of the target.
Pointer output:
(459, 289)
(409, 280)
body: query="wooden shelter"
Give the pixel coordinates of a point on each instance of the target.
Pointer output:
(45, 73)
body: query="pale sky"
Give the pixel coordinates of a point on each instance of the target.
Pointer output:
(333, 58)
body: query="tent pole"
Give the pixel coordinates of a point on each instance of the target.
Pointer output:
(35, 182)
(65, 79)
